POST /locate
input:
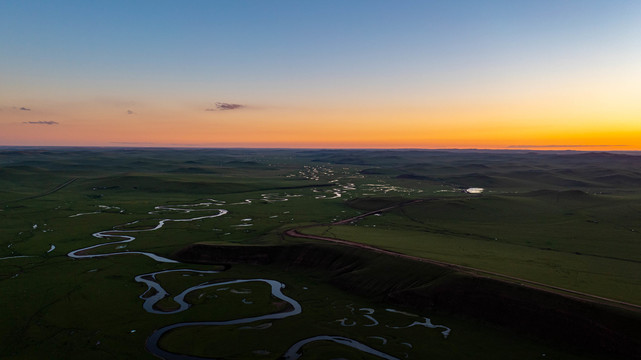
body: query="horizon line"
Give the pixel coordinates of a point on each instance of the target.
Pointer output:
(534, 148)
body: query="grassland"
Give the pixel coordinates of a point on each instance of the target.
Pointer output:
(566, 219)
(586, 243)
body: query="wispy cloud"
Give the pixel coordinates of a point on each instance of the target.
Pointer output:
(129, 112)
(558, 146)
(155, 144)
(133, 143)
(221, 106)
(40, 122)
(15, 108)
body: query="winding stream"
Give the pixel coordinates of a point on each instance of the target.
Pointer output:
(161, 293)
(295, 352)
(16, 257)
(276, 286)
(155, 291)
(426, 323)
(80, 253)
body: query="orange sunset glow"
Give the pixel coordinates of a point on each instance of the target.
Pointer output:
(523, 78)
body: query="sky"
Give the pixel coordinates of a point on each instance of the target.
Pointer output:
(513, 74)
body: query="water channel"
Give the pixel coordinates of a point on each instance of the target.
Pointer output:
(156, 293)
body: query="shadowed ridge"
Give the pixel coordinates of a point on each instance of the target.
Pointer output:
(566, 321)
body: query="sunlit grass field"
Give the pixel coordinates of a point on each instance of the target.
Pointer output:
(577, 241)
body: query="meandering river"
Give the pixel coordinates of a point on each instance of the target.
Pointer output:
(155, 291)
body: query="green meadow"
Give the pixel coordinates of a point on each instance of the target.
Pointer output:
(581, 242)
(569, 220)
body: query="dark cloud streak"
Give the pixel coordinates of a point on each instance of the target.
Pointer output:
(25, 109)
(40, 122)
(221, 106)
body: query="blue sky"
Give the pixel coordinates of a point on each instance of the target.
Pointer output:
(312, 55)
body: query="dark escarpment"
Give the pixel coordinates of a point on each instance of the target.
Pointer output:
(596, 329)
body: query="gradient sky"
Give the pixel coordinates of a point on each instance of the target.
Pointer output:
(533, 74)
